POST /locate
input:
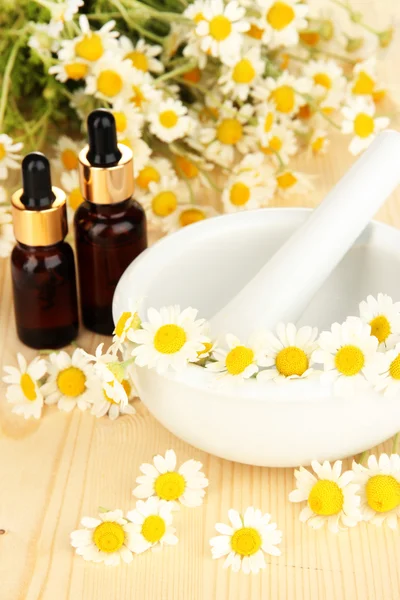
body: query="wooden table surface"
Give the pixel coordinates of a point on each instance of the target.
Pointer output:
(54, 471)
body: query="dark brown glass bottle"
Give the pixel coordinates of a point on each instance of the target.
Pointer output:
(110, 227)
(42, 263)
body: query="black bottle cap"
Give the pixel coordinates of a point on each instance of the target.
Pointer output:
(103, 145)
(37, 193)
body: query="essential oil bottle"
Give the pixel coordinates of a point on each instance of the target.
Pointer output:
(42, 263)
(110, 226)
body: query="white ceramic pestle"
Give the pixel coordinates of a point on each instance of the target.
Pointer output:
(283, 288)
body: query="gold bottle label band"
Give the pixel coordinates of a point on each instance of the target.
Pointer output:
(40, 227)
(107, 185)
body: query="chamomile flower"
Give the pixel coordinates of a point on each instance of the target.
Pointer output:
(169, 120)
(319, 142)
(326, 75)
(9, 154)
(187, 214)
(346, 352)
(281, 21)
(267, 117)
(41, 39)
(108, 403)
(67, 154)
(7, 240)
(239, 361)
(288, 353)
(111, 79)
(153, 171)
(152, 525)
(249, 189)
(359, 120)
(293, 182)
(330, 494)
(89, 45)
(385, 373)
(142, 55)
(383, 316)
(162, 479)
(70, 184)
(192, 167)
(245, 540)
(128, 119)
(170, 338)
(162, 199)
(286, 92)
(142, 91)
(230, 133)
(364, 82)
(71, 382)
(23, 391)
(62, 12)
(128, 319)
(379, 489)
(107, 539)
(195, 12)
(141, 151)
(240, 74)
(282, 142)
(111, 373)
(75, 70)
(222, 27)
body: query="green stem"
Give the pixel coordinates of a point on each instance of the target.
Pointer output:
(354, 16)
(319, 110)
(362, 456)
(166, 16)
(340, 57)
(127, 362)
(395, 442)
(201, 89)
(177, 71)
(134, 25)
(6, 83)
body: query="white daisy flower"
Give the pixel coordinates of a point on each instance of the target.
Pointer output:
(141, 151)
(62, 12)
(240, 74)
(143, 93)
(291, 182)
(286, 92)
(41, 40)
(239, 361)
(7, 240)
(75, 70)
(153, 171)
(187, 214)
(267, 118)
(152, 525)
(282, 142)
(82, 104)
(332, 101)
(288, 353)
(379, 489)
(195, 12)
(222, 27)
(67, 154)
(169, 120)
(70, 184)
(111, 79)
(192, 167)
(71, 382)
(326, 76)
(90, 45)
(319, 142)
(346, 352)
(365, 81)
(385, 373)
(113, 405)
(249, 189)
(23, 390)
(281, 21)
(142, 55)
(245, 541)
(359, 120)
(111, 374)
(9, 155)
(169, 338)
(128, 119)
(162, 199)
(331, 496)
(383, 316)
(161, 479)
(230, 133)
(107, 539)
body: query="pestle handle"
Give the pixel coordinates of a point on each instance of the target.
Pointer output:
(284, 287)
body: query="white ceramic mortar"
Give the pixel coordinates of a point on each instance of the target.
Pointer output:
(207, 264)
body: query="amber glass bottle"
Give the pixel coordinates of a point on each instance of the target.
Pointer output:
(42, 263)
(110, 226)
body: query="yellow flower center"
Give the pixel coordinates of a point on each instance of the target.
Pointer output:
(69, 159)
(275, 144)
(76, 70)
(138, 97)
(246, 541)
(349, 360)
(109, 537)
(28, 387)
(146, 176)
(75, 198)
(284, 98)
(169, 486)
(153, 529)
(3, 152)
(168, 118)
(188, 168)
(286, 180)
(243, 71)
(194, 75)
(394, 368)
(380, 328)
(139, 60)
(363, 125)
(318, 144)
(191, 215)
(109, 83)
(169, 339)
(383, 493)
(119, 328)
(238, 359)
(311, 38)
(364, 84)
(229, 131)
(378, 96)
(291, 361)
(71, 382)
(164, 203)
(326, 498)
(220, 28)
(90, 47)
(255, 32)
(206, 349)
(239, 194)
(199, 17)
(323, 79)
(268, 122)
(280, 15)
(127, 387)
(121, 122)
